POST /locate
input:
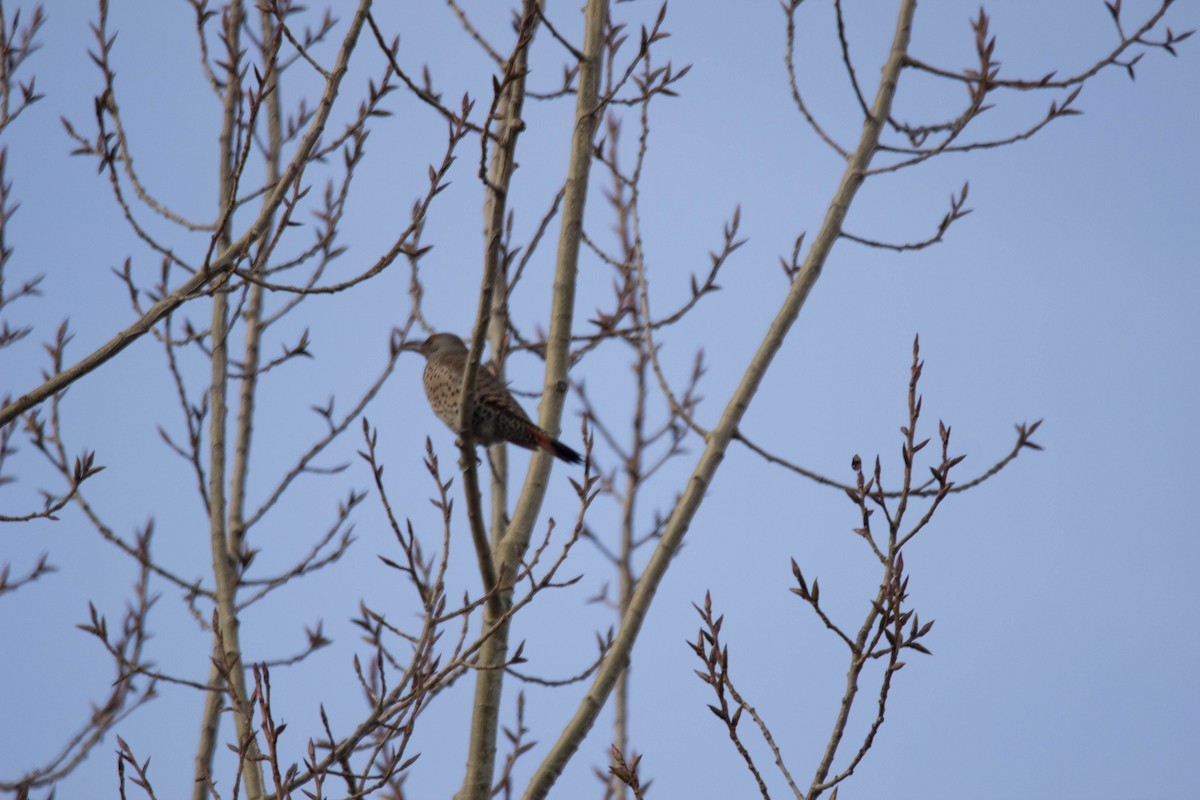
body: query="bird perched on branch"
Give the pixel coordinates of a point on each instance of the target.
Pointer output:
(496, 417)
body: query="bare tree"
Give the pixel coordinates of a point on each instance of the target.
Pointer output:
(218, 292)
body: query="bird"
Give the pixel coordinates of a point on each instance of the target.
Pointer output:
(497, 416)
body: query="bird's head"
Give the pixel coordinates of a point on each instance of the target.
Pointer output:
(437, 345)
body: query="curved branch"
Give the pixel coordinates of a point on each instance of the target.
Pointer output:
(1024, 432)
(1047, 81)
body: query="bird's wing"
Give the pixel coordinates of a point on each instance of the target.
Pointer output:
(494, 392)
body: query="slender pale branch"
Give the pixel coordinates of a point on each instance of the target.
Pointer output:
(718, 440)
(489, 680)
(224, 557)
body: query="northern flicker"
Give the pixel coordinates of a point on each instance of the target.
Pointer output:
(497, 417)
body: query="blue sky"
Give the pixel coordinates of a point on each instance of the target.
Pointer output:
(1064, 641)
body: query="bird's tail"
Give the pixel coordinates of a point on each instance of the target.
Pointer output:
(557, 448)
